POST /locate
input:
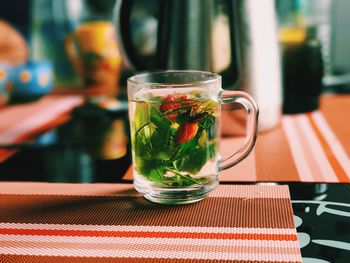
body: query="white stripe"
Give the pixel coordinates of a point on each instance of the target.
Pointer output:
(252, 191)
(318, 153)
(114, 253)
(333, 142)
(175, 229)
(147, 241)
(37, 120)
(297, 152)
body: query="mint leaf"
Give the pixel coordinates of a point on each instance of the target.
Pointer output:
(152, 168)
(156, 175)
(158, 118)
(157, 154)
(141, 116)
(209, 124)
(196, 159)
(184, 117)
(163, 136)
(160, 143)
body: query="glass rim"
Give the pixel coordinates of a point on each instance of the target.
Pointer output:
(135, 79)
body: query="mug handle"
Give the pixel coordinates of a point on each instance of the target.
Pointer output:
(72, 52)
(252, 110)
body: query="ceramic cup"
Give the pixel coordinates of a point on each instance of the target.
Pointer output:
(31, 80)
(92, 49)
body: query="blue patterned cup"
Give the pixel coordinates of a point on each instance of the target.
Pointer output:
(32, 80)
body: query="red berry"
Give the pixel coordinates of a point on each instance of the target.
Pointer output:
(185, 97)
(186, 100)
(169, 103)
(170, 98)
(187, 131)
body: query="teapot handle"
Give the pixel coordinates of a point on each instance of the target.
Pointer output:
(122, 13)
(231, 77)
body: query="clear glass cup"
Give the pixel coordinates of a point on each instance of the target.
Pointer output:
(175, 133)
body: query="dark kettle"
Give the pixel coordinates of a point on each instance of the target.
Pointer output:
(190, 34)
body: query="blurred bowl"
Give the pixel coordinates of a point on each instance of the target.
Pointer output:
(31, 80)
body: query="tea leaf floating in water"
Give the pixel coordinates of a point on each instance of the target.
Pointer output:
(174, 137)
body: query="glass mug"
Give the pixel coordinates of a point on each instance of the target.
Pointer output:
(175, 132)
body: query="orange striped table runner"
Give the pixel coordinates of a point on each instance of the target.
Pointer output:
(42, 222)
(21, 122)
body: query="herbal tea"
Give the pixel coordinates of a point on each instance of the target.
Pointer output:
(174, 139)
(174, 118)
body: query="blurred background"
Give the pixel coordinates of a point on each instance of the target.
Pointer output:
(285, 53)
(45, 24)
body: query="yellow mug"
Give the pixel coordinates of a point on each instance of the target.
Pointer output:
(93, 51)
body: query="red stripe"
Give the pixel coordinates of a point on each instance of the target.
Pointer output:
(145, 234)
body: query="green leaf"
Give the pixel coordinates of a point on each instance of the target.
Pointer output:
(141, 116)
(209, 124)
(156, 175)
(207, 121)
(151, 168)
(158, 118)
(183, 117)
(157, 151)
(180, 181)
(210, 106)
(160, 143)
(141, 144)
(195, 160)
(163, 136)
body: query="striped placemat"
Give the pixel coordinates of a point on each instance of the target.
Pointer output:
(42, 222)
(21, 122)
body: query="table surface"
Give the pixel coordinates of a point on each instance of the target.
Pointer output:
(79, 152)
(40, 221)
